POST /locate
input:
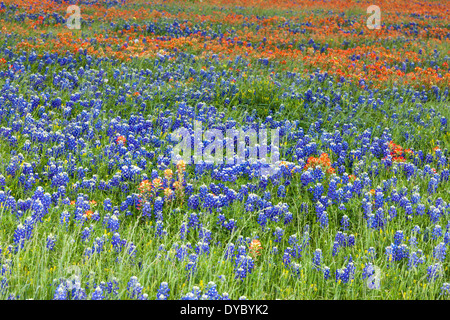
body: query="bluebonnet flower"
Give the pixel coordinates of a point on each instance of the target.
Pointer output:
(420, 210)
(278, 233)
(380, 220)
(86, 234)
(157, 208)
(435, 214)
(193, 221)
(193, 202)
(397, 253)
(241, 250)
(183, 230)
(326, 272)
(346, 274)
(131, 248)
(351, 240)
(229, 251)
(432, 185)
(440, 251)
(112, 287)
(306, 178)
(287, 256)
(191, 266)
(398, 237)
(335, 248)
(367, 207)
(147, 209)
(230, 225)
(243, 266)
(436, 232)
(320, 209)
(225, 296)
(295, 269)
(98, 294)
(379, 201)
(98, 244)
(202, 247)
(323, 220)
(163, 291)
(368, 270)
(88, 252)
(160, 232)
(51, 239)
(392, 212)
(317, 259)
(107, 205)
(415, 258)
(189, 296)
(317, 191)
(445, 289)
(434, 271)
(413, 241)
(281, 192)
(262, 220)
(415, 198)
(113, 223)
(76, 292)
(447, 237)
(341, 238)
(345, 222)
(372, 254)
(19, 236)
(205, 235)
(134, 289)
(211, 292)
(60, 293)
(117, 243)
(288, 217)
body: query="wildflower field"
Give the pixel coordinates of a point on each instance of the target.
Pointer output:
(95, 203)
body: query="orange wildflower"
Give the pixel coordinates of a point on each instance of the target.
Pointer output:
(255, 248)
(157, 183)
(88, 214)
(121, 139)
(322, 161)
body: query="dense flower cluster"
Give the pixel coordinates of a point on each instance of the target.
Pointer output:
(92, 190)
(323, 161)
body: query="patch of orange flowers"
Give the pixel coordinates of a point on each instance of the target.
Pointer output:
(323, 161)
(277, 41)
(398, 153)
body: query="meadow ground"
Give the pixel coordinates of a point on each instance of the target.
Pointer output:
(95, 206)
